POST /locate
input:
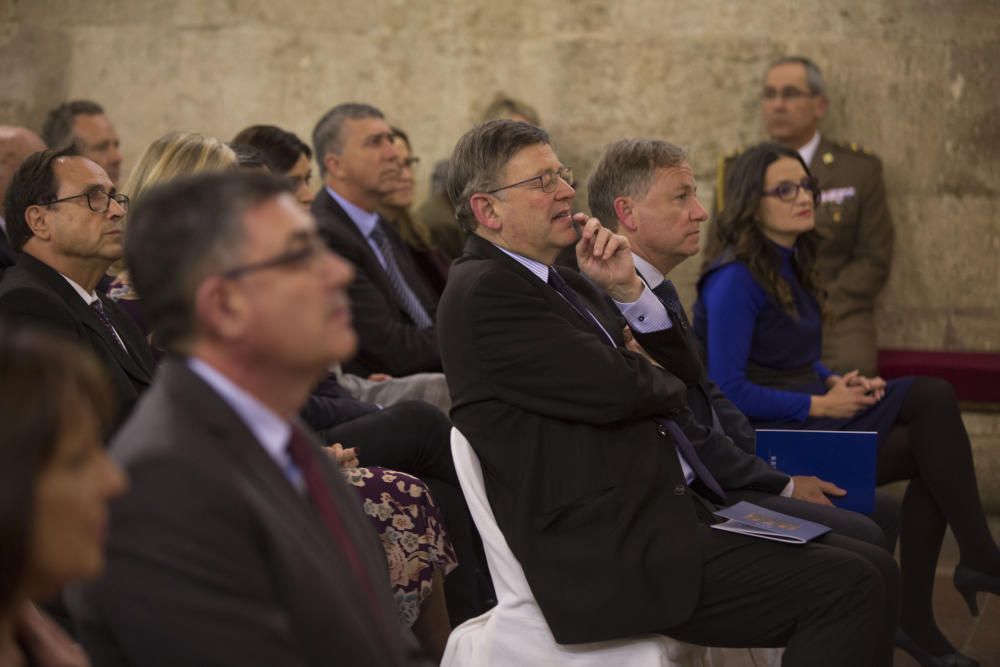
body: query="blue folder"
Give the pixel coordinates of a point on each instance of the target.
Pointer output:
(846, 458)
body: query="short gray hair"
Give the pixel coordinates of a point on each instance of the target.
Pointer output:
(814, 77)
(479, 158)
(326, 135)
(626, 170)
(184, 231)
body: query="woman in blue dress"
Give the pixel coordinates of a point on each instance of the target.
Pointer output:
(759, 318)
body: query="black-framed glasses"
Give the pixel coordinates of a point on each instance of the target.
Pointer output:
(98, 201)
(789, 191)
(547, 181)
(788, 93)
(312, 247)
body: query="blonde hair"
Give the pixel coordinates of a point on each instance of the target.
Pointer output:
(173, 155)
(177, 154)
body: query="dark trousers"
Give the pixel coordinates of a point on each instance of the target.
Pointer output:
(833, 602)
(414, 437)
(880, 529)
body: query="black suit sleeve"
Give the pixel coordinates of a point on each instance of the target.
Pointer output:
(734, 423)
(32, 307)
(515, 327)
(388, 344)
(194, 559)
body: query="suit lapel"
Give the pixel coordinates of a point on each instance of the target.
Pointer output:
(478, 247)
(373, 267)
(85, 314)
(241, 450)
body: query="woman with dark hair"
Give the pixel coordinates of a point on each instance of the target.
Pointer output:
(759, 316)
(55, 484)
(395, 209)
(283, 153)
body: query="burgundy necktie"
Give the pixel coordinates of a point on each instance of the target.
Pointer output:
(300, 448)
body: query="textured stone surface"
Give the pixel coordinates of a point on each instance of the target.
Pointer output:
(914, 80)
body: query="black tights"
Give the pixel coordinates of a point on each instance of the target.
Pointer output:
(929, 446)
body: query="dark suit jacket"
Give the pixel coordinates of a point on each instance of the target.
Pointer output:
(215, 559)
(585, 485)
(33, 293)
(390, 342)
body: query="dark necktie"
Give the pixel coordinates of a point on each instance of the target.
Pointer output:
(687, 450)
(667, 293)
(411, 304)
(557, 283)
(98, 309)
(300, 449)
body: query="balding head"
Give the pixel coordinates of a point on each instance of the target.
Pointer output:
(16, 143)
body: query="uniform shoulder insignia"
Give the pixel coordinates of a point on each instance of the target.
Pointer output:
(854, 147)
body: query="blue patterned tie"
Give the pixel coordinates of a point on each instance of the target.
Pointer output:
(667, 293)
(687, 449)
(411, 304)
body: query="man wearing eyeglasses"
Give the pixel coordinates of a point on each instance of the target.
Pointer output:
(239, 543)
(856, 251)
(394, 307)
(64, 221)
(600, 478)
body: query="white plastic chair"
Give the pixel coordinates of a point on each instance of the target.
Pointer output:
(514, 633)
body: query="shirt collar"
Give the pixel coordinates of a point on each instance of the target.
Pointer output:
(362, 219)
(271, 431)
(649, 273)
(540, 271)
(808, 151)
(87, 298)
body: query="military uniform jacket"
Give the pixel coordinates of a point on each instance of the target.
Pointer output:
(855, 250)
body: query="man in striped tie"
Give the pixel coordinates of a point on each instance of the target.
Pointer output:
(394, 307)
(600, 478)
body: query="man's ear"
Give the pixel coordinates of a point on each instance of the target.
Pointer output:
(220, 309)
(331, 163)
(38, 222)
(821, 104)
(626, 214)
(484, 208)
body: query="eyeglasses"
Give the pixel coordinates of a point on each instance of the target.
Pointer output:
(547, 181)
(314, 247)
(788, 191)
(788, 93)
(98, 201)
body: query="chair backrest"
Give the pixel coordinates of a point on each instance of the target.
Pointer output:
(508, 578)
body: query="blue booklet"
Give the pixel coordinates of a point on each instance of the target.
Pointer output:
(749, 519)
(846, 458)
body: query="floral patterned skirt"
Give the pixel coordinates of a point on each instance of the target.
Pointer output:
(410, 526)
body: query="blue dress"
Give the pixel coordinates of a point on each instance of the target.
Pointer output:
(767, 362)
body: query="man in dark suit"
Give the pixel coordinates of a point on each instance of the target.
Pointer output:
(394, 308)
(855, 254)
(645, 190)
(598, 474)
(64, 222)
(239, 543)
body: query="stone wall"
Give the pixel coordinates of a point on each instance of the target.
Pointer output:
(916, 80)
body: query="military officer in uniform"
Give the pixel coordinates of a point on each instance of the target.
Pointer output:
(853, 217)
